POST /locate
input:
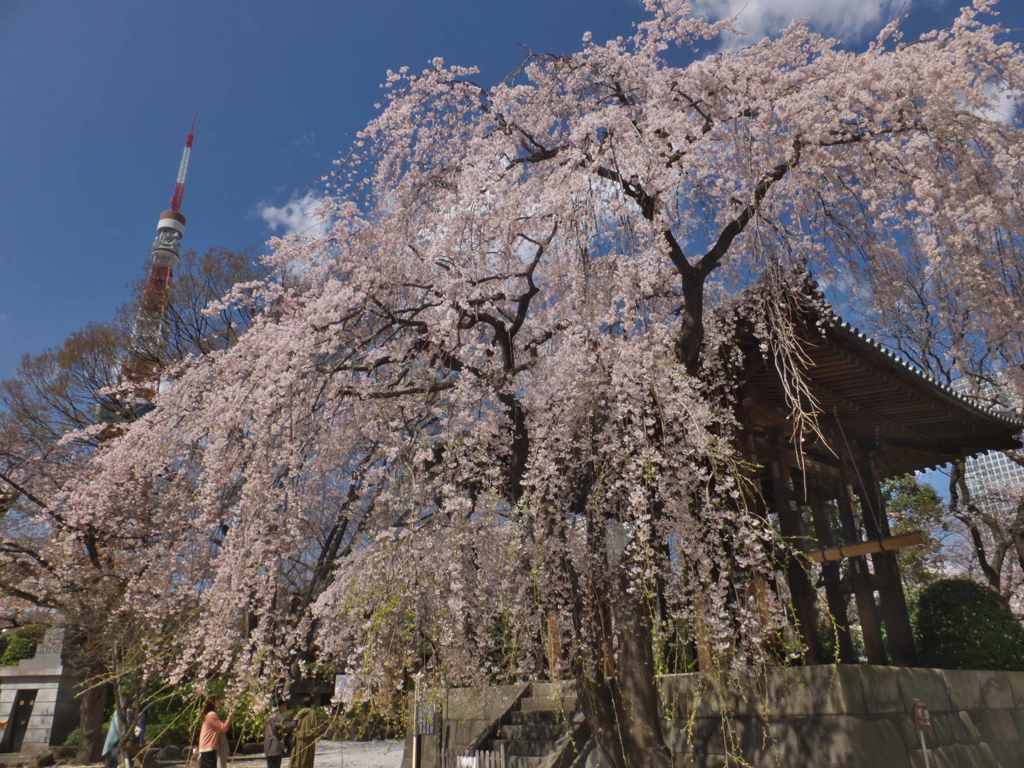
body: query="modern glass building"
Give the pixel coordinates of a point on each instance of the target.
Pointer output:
(993, 478)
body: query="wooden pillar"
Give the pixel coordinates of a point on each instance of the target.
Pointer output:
(863, 592)
(804, 596)
(837, 600)
(887, 569)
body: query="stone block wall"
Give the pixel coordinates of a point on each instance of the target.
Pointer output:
(856, 716)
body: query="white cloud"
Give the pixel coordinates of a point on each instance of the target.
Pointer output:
(1002, 106)
(848, 19)
(1004, 103)
(299, 216)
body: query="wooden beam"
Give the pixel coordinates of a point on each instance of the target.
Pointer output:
(886, 544)
(765, 450)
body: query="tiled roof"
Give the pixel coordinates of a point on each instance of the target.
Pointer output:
(837, 323)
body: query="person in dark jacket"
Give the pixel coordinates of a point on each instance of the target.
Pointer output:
(274, 737)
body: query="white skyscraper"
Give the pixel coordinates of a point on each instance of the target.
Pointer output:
(993, 478)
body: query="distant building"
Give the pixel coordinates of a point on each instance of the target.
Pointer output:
(993, 478)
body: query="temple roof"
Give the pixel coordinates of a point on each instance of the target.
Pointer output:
(869, 394)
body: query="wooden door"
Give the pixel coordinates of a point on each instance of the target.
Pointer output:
(17, 725)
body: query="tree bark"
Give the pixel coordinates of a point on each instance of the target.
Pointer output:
(1017, 533)
(91, 705)
(962, 508)
(691, 330)
(620, 699)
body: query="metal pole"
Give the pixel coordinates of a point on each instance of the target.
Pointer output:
(416, 723)
(924, 749)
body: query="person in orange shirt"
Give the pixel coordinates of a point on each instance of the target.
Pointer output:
(210, 732)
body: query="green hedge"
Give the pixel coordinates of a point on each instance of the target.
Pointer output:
(963, 625)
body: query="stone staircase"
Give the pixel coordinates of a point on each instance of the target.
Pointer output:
(533, 732)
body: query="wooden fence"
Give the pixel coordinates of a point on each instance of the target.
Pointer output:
(476, 758)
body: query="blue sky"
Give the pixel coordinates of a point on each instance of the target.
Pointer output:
(96, 97)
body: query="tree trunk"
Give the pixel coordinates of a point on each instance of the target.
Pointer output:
(620, 700)
(691, 330)
(91, 705)
(1017, 533)
(962, 508)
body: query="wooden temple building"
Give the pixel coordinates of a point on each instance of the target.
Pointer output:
(881, 418)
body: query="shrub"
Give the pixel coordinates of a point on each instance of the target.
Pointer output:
(21, 644)
(364, 721)
(74, 739)
(963, 625)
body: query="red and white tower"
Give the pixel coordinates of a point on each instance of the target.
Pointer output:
(141, 370)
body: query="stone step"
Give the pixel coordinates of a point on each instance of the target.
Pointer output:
(542, 730)
(531, 747)
(519, 761)
(495, 745)
(532, 717)
(565, 704)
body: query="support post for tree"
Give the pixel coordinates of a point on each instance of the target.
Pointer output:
(887, 570)
(837, 601)
(800, 587)
(867, 609)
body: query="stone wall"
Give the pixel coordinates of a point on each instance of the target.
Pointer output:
(857, 716)
(852, 716)
(464, 715)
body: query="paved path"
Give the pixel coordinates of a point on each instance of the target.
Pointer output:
(358, 754)
(329, 754)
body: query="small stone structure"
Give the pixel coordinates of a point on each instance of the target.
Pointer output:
(841, 716)
(38, 691)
